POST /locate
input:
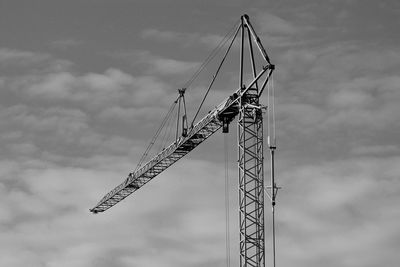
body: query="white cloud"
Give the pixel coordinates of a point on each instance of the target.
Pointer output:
(341, 205)
(92, 91)
(324, 88)
(54, 210)
(170, 66)
(30, 61)
(59, 121)
(14, 56)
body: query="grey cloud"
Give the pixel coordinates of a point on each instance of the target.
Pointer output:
(333, 95)
(53, 190)
(14, 56)
(13, 61)
(66, 43)
(64, 122)
(170, 66)
(55, 134)
(157, 65)
(131, 115)
(69, 136)
(94, 90)
(273, 24)
(340, 198)
(376, 150)
(183, 38)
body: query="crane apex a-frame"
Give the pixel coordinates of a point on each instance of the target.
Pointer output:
(243, 103)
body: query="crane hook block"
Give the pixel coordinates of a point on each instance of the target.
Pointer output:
(225, 125)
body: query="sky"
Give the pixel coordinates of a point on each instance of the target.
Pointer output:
(85, 84)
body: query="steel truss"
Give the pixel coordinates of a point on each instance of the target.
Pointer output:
(251, 182)
(250, 158)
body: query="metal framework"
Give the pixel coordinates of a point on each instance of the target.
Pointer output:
(251, 183)
(250, 165)
(244, 102)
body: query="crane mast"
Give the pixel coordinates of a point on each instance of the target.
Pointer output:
(245, 105)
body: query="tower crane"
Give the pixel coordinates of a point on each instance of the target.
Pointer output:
(243, 103)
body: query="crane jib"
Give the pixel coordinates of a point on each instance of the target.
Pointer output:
(195, 136)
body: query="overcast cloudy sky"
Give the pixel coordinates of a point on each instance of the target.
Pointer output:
(83, 87)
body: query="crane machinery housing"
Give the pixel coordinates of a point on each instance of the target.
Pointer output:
(243, 103)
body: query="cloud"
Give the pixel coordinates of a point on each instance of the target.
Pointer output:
(274, 29)
(131, 115)
(183, 38)
(166, 36)
(92, 89)
(62, 121)
(15, 60)
(283, 32)
(170, 66)
(66, 43)
(50, 115)
(273, 24)
(339, 89)
(15, 56)
(376, 150)
(52, 206)
(157, 65)
(67, 137)
(62, 136)
(334, 204)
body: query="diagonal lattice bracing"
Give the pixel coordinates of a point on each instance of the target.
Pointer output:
(251, 184)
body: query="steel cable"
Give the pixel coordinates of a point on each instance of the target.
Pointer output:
(227, 224)
(166, 120)
(153, 140)
(215, 75)
(211, 56)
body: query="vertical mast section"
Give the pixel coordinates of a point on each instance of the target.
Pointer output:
(251, 181)
(250, 165)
